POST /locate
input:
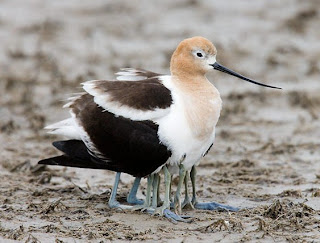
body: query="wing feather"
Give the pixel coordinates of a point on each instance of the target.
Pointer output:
(135, 74)
(147, 99)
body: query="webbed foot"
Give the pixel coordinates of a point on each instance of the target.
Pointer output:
(142, 208)
(135, 201)
(175, 218)
(215, 206)
(187, 203)
(115, 204)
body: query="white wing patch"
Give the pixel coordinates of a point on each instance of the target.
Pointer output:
(73, 99)
(70, 128)
(84, 136)
(132, 74)
(66, 128)
(103, 99)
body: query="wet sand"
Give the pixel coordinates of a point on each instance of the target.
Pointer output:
(266, 156)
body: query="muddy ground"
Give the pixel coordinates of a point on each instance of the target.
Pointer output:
(266, 158)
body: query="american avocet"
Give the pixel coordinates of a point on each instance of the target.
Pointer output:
(141, 127)
(190, 134)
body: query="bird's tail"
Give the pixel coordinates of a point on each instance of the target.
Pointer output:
(75, 155)
(73, 148)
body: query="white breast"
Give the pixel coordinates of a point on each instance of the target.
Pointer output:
(184, 130)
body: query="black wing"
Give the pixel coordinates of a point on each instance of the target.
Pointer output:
(114, 142)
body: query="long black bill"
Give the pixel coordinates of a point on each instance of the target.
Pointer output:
(221, 68)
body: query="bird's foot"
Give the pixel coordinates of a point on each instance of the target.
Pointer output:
(116, 205)
(160, 210)
(135, 201)
(215, 206)
(163, 211)
(175, 218)
(187, 203)
(142, 208)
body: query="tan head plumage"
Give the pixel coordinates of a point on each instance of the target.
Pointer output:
(192, 57)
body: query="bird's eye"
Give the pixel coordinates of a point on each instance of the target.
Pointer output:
(199, 54)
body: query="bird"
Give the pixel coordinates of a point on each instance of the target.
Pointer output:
(144, 123)
(193, 58)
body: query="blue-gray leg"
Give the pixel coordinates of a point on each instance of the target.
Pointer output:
(177, 200)
(209, 205)
(164, 210)
(113, 203)
(166, 202)
(132, 196)
(155, 193)
(187, 202)
(147, 203)
(193, 174)
(158, 196)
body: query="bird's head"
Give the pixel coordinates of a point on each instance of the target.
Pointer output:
(197, 56)
(193, 56)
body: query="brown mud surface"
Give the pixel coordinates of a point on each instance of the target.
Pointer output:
(266, 158)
